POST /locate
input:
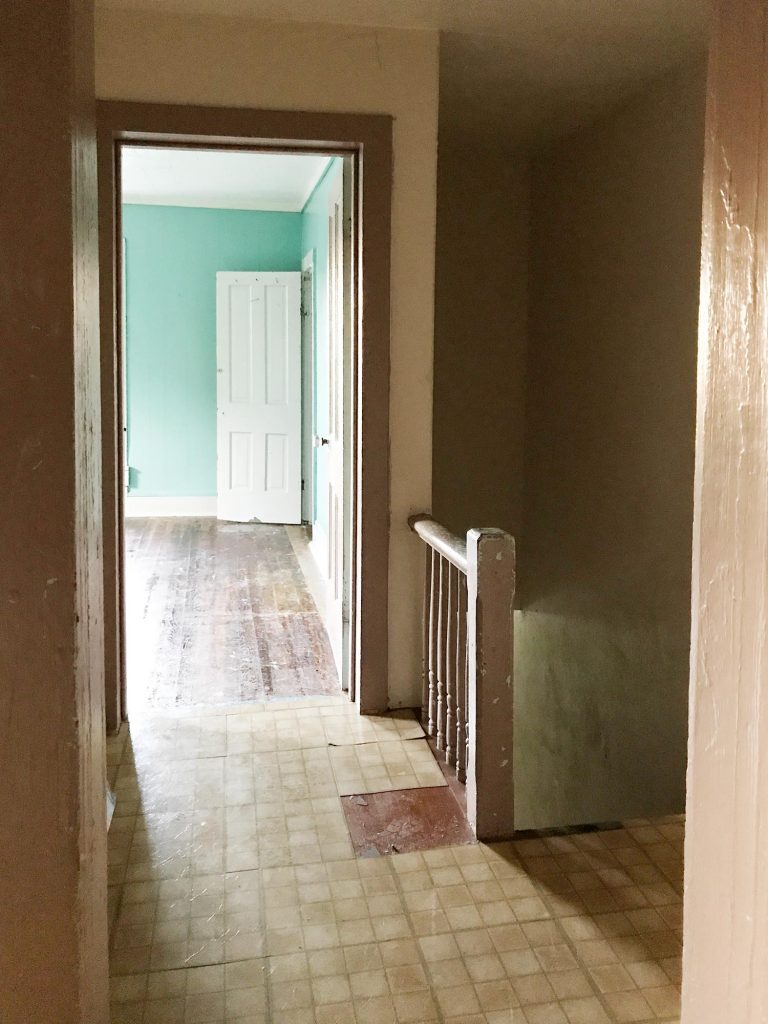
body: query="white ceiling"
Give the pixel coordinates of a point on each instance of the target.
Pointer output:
(512, 71)
(220, 178)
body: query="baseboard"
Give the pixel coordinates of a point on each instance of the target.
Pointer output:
(318, 548)
(146, 508)
(316, 583)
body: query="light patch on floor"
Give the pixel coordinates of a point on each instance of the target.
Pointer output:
(340, 730)
(378, 767)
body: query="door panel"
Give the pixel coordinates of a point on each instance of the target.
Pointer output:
(259, 397)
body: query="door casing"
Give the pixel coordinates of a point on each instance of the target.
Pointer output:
(307, 387)
(337, 371)
(367, 140)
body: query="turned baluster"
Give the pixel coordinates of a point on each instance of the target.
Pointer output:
(461, 678)
(431, 615)
(442, 626)
(450, 667)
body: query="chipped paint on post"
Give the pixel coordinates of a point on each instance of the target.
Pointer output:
(726, 884)
(491, 594)
(53, 882)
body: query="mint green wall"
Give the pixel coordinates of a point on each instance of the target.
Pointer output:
(172, 256)
(314, 239)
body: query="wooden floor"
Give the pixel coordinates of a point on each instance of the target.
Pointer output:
(219, 613)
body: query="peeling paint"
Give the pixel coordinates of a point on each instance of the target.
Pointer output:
(726, 925)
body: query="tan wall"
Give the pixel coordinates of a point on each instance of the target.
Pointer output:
(725, 946)
(481, 306)
(53, 859)
(604, 559)
(221, 61)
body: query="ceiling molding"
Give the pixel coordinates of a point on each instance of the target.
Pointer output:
(213, 203)
(321, 174)
(220, 179)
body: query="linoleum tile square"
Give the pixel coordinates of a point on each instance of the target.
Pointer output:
(629, 1007)
(414, 1007)
(546, 1013)
(585, 1011)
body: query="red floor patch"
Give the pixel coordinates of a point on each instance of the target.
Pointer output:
(404, 820)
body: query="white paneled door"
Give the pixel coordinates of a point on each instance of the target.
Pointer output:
(258, 346)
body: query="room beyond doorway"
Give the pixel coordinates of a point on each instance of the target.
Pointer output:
(233, 422)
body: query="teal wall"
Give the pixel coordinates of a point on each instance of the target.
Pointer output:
(314, 239)
(172, 256)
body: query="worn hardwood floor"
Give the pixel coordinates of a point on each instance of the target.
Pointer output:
(219, 613)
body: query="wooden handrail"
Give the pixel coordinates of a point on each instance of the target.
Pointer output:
(443, 541)
(467, 686)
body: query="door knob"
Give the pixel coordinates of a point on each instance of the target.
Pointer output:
(318, 441)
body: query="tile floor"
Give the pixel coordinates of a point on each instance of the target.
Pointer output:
(236, 896)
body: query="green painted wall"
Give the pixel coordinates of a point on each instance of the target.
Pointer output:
(314, 239)
(172, 256)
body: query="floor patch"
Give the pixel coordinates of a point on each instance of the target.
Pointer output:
(384, 765)
(405, 820)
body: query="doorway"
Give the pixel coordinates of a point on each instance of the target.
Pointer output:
(223, 399)
(357, 298)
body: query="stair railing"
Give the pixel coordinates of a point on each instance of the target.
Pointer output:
(467, 684)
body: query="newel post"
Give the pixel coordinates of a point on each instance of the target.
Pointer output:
(490, 600)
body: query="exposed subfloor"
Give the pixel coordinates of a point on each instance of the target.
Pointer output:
(219, 613)
(237, 896)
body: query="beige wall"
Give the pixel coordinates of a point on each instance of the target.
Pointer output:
(725, 948)
(481, 304)
(221, 61)
(604, 558)
(53, 858)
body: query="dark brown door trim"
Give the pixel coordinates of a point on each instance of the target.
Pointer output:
(368, 139)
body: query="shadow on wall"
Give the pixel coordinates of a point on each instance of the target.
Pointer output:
(605, 556)
(565, 372)
(481, 328)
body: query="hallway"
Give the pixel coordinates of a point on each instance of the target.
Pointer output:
(236, 894)
(218, 613)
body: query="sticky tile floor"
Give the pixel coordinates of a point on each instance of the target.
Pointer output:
(236, 895)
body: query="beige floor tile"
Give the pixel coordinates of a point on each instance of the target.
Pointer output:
(664, 1001)
(237, 896)
(533, 988)
(629, 1006)
(368, 984)
(546, 1013)
(585, 1011)
(378, 1009)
